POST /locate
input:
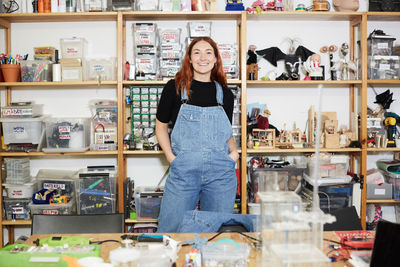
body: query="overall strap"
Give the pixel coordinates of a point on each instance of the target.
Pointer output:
(220, 94)
(184, 97)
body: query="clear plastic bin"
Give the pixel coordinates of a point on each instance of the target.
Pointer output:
(383, 67)
(17, 170)
(329, 166)
(394, 179)
(225, 252)
(96, 190)
(67, 134)
(20, 190)
(148, 202)
(100, 70)
(22, 131)
(52, 209)
(36, 70)
(380, 45)
(22, 111)
(73, 47)
(16, 209)
(62, 180)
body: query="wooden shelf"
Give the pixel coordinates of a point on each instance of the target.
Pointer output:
(384, 82)
(383, 16)
(59, 17)
(306, 16)
(183, 15)
(383, 201)
(385, 149)
(52, 85)
(302, 84)
(17, 222)
(302, 150)
(143, 152)
(42, 154)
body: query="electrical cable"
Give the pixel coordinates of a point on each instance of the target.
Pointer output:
(345, 245)
(104, 241)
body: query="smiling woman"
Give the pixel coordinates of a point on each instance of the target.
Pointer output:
(201, 151)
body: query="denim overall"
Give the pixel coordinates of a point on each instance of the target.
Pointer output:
(202, 167)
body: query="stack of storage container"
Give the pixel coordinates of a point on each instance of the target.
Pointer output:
(145, 50)
(170, 52)
(73, 52)
(104, 125)
(382, 63)
(19, 188)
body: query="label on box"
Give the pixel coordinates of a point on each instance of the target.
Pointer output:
(382, 45)
(17, 210)
(50, 212)
(16, 193)
(384, 66)
(53, 186)
(73, 74)
(17, 112)
(64, 132)
(380, 192)
(19, 130)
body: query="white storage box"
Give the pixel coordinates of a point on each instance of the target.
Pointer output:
(20, 190)
(21, 111)
(22, 131)
(67, 134)
(225, 252)
(73, 47)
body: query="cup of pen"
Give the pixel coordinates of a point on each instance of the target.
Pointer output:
(11, 72)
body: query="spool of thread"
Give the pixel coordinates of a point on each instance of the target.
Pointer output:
(321, 6)
(56, 69)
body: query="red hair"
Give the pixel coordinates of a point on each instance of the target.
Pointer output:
(184, 77)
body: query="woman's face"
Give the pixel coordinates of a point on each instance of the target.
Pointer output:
(203, 59)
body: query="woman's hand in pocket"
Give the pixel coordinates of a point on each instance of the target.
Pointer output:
(234, 155)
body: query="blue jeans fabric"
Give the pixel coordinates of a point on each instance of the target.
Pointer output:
(209, 222)
(202, 168)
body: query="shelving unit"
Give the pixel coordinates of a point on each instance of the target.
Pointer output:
(357, 23)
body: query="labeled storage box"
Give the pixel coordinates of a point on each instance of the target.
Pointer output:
(73, 47)
(22, 130)
(380, 45)
(20, 190)
(96, 190)
(379, 191)
(21, 110)
(71, 74)
(61, 180)
(329, 166)
(67, 134)
(52, 209)
(148, 202)
(383, 67)
(100, 70)
(36, 70)
(16, 209)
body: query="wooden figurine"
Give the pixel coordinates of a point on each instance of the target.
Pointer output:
(265, 137)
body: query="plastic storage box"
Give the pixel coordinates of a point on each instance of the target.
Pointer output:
(288, 179)
(379, 191)
(225, 252)
(383, 67)
(17, 170)
(36, 70)
(380, 45)
(20, 190)
(73, 47)
(24, 110)
(67, 134)
(96, 190)
(100, 70)
(329, 166)
(22, 131)
(148, 202)
(394, 179)
(61, 180)
(16, 209)
(52, 209)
